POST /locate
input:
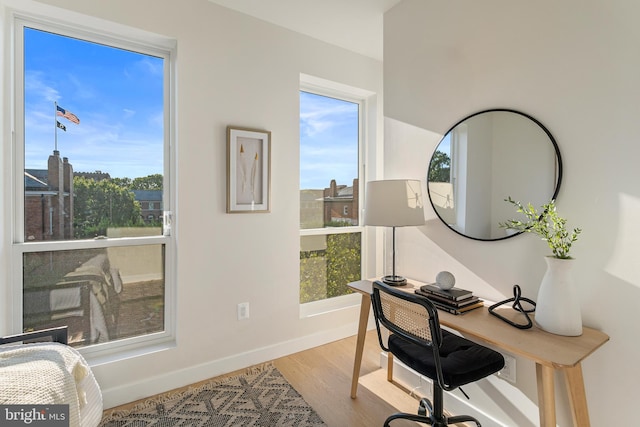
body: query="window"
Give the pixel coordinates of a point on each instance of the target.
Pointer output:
(330, 169)
(92, 130)
(442, 172)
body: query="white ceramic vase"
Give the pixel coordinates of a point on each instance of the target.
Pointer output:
(558, 307)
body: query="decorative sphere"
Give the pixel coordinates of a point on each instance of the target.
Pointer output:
(445, 280)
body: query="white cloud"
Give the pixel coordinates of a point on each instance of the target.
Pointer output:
(34, 83)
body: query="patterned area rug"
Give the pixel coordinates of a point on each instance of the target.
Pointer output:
(261, 397)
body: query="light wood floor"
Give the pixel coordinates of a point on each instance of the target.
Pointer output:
(322, 375)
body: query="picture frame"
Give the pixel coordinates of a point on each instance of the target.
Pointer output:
(248, 170)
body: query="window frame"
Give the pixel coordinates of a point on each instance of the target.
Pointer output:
(100, 32)
(362, 98)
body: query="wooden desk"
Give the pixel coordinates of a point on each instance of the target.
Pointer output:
(550, 352)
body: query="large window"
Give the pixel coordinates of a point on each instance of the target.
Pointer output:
(92, 165)
(330, 169)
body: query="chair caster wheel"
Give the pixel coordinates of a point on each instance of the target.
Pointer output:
(424, 407)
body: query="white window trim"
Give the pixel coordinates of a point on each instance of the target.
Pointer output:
(364, 98)
(96, 30)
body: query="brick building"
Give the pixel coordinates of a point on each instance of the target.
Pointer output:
(341, 203)
(150, 204)
(48, 210)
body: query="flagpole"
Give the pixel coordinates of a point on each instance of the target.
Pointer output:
(55, 124)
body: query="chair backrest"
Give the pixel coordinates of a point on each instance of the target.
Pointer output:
(407, 315)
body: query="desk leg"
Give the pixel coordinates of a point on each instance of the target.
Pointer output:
(365, 306)
(546, 395)
(577, 396)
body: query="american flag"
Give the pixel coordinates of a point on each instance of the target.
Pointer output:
(67, 115)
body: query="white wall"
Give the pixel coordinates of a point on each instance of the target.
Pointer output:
(574, 66)
(231, 70)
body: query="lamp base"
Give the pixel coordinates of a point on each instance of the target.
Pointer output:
(394, 280)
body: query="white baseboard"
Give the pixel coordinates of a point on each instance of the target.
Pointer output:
(494, 402)
(133, 391)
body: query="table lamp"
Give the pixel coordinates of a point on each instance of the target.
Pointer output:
(394, 203)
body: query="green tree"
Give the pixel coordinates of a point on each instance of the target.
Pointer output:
(313, 276)
(325, 273)
(122, 182)
(440, 167)
(149, 182)
(102, 204)
(343, 262)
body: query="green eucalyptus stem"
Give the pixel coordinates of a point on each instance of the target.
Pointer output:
(548, 225)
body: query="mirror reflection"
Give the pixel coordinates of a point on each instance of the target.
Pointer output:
(485, 158)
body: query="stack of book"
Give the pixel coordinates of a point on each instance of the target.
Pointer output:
(454, 300)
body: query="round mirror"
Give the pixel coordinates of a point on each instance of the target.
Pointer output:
(486, 158)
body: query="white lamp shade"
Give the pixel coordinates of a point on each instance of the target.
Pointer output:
(394, 203)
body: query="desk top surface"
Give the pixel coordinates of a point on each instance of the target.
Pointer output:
(534, 343)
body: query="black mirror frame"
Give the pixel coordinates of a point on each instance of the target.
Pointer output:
(536, 121)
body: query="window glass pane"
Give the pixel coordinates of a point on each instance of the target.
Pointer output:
(327, 264)
(329, 190)
(100, 294)
(329, 139)
(93, 151)
(93, 138)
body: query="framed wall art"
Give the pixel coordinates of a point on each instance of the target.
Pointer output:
(248, 170)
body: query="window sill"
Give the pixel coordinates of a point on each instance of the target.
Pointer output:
(325, 306)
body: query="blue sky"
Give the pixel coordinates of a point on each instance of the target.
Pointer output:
(116, 94)
(328, 141)
(445, 145)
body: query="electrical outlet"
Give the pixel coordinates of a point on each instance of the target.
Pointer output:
(243, 311)
(509, 371)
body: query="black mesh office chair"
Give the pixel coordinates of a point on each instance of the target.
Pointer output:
(417, 340)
